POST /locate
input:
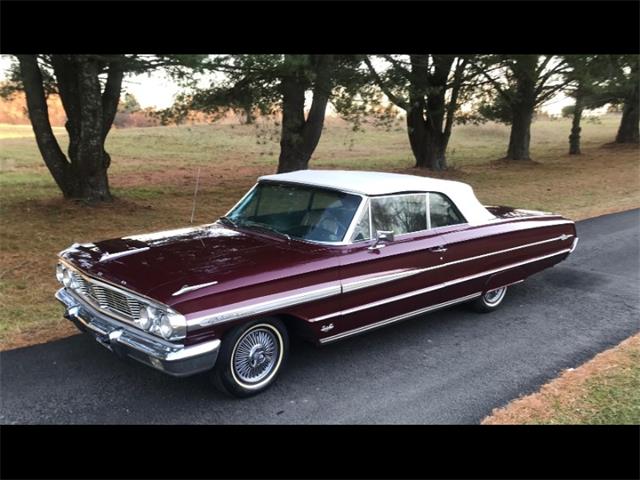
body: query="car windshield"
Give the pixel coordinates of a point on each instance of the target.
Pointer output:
(296, 211)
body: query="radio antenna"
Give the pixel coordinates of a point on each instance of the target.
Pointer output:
(195, 193)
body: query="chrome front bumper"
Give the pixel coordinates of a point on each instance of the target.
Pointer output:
(125, 341)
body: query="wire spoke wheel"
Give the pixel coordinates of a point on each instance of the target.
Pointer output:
(256, 355)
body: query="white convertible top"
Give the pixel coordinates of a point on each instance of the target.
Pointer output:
(382, 183)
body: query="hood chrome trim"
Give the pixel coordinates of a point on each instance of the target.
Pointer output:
(111, 256)
(190, 288)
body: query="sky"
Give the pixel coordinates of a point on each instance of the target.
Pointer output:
(158, 90)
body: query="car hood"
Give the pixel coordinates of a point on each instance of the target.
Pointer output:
(160, 264)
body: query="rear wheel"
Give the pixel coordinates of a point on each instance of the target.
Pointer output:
(490, 300)
(251, 357)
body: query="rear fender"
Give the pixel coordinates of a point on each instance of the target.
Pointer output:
(502, 279)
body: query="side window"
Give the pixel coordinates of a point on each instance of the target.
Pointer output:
(400, 213)
(362, 230)
(443, 212)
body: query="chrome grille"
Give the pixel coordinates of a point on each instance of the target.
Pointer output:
(106, 297)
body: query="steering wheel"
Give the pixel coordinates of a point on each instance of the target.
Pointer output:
(332, 224)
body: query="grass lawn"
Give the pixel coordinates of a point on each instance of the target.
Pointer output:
(153, 177)
(603, 391)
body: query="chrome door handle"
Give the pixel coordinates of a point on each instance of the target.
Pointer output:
(438, 249)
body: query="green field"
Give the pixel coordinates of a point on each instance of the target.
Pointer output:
(153, 177)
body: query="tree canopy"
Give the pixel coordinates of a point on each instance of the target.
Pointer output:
(429, 89)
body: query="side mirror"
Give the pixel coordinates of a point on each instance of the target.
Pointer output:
(382, 237)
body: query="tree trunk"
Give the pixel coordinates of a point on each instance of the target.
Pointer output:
(50, 150)
(428, 147)
(520, 136)
(574, 138)
(629, 130)
(92, 162)
(293, 154)
(110, 100)
(427, 110)
(248, 115)
(299, 137)
(90, 115)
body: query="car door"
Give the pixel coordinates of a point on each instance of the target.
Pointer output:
(452, 230)
(383, 282)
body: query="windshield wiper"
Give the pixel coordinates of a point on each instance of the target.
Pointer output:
(264, 226)
(227, 220)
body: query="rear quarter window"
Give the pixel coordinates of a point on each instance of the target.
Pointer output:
(443, 212)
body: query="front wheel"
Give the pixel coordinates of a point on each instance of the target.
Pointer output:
(490, 300)
(251, 356)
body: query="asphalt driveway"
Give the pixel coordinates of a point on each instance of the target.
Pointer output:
(452, 366)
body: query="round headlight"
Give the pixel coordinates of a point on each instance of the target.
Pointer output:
(143, 321)
(66, 278)
(148, 318)
(169, 325)
(164, 327)
(60, 272)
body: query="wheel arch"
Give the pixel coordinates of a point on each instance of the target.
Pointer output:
(503, 279)
(296, 326)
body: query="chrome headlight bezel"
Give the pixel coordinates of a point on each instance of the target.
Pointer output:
(169, 325)
(145, 319)
(66, 278)
(162, 322)
(60, 268)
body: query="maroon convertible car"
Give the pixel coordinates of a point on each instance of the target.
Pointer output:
(319, 254)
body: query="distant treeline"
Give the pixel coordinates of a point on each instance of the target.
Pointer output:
(13, 111)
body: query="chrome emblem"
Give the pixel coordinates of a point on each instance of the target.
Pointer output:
(326, 328)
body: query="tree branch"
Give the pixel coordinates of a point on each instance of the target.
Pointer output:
(497, 86)
(49, 148)
(111, 96)
(395, 99)
(321, 93)
(455, 90)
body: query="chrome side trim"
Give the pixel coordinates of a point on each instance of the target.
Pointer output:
(191, 288)
(266, 306)
(309, 296)
(358, 284)
(575, 244)
(369, 282)
(435, 287)
(397, 318)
